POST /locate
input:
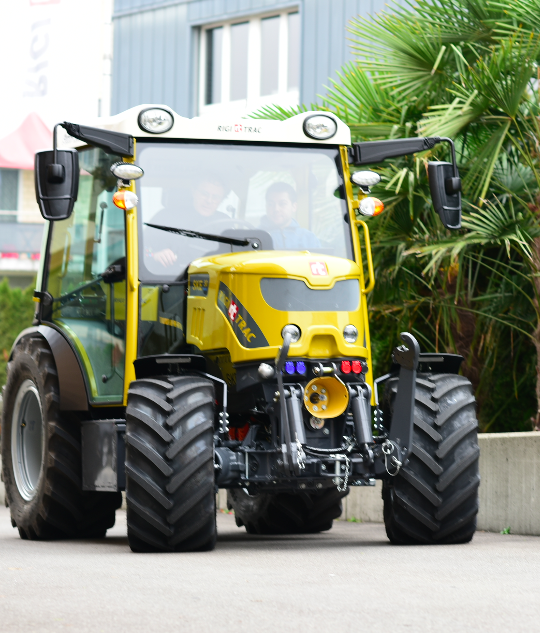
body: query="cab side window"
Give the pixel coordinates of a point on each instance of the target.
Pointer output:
(89, 309)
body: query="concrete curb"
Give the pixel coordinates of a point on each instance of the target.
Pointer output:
(509, 492)
(509, 489)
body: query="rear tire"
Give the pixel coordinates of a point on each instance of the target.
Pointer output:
(170, 489)
(41, 455)
(285, 513)
(434, 498)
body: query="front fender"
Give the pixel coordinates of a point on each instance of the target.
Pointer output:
(73, 390)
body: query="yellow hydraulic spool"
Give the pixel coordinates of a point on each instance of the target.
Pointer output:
(326, 397)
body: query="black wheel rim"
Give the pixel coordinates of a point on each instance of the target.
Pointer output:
(27, 440)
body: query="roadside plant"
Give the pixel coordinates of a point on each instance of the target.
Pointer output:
(468, 70)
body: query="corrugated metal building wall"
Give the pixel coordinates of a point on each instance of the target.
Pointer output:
(156, 45)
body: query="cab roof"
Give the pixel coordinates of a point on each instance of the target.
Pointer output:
(220, 128)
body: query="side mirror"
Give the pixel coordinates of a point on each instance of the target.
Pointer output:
(445, 187)
(56, 175)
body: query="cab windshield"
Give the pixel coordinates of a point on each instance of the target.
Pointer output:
(287, 198)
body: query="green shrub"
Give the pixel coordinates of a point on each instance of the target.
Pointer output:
(16, 314)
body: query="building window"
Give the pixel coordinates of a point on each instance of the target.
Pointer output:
(214, 46)
(9, 194)
(248, 64)
(270, 56)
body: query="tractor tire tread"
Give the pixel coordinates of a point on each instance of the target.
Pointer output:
(60, 508)
(434, 497)
(170, 492)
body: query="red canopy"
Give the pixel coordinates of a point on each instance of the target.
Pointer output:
(18, 148)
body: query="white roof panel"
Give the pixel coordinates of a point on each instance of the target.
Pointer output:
(225, 128)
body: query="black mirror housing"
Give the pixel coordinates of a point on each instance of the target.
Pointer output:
(57, 182)
(445, 187)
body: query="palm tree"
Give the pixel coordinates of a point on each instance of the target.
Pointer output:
(468, 70)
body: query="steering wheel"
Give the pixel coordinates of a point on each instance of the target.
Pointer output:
(226, 223)
(213, 227)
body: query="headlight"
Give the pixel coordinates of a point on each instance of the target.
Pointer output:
(320, 127)
(293, 330)
(350, 334)
(365, 178)
(156, 120)
(127, 171)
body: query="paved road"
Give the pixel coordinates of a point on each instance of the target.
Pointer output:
(349, 579)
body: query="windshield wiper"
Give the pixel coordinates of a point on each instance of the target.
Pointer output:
(201, 236)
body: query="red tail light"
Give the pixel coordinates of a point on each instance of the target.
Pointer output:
(356, 367)
(346, 366)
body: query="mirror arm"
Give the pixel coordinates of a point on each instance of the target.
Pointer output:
(55, 144)
(445, 139)
(55, 172)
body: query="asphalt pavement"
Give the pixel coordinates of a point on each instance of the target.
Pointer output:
(348, 579)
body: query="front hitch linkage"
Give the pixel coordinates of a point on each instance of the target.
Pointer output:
(398, 446)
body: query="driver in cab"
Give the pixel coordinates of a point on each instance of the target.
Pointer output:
(207, 195)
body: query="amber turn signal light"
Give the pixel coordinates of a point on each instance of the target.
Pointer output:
(125, 200)
(371, 206)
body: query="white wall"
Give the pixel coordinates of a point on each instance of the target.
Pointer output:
(55, 59)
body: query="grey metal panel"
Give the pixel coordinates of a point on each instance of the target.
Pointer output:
(336, 38)
(173, 59)
(307, 58)
(73, 394)
(155, 52)
(99, 455)
(179, 66)
(139, 38)
(152, 60)
(323, 46)
(351, 8)
(326, 45)
(200, 11)
(158, 59)
(127, 5)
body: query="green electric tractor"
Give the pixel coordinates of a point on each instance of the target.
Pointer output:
(201, 323)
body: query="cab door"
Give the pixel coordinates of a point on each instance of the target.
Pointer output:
(88, 302)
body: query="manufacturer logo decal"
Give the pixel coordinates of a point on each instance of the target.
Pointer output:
(233, 311)
(318, 269)
(238, 128)
(198, 285)
(247, 331)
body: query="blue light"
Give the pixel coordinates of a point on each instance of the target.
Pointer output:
(289, 367)
(301, 367)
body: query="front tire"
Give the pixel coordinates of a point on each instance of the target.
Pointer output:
(434, 498)
(284, 513)
(170, 489)
(41, 455)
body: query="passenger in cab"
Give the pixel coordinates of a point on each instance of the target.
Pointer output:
(280, 221)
